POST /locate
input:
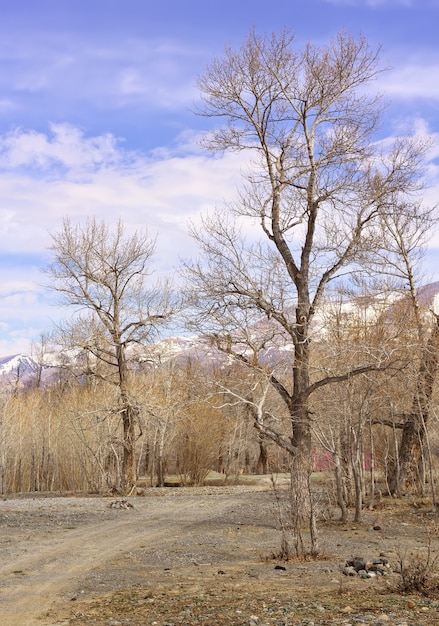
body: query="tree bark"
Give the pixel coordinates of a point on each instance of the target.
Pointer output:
(339, 487)
(301, 462)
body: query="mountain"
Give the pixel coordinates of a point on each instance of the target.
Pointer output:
(17, 368)
(15, 363)
(23, 370)
(427, 295)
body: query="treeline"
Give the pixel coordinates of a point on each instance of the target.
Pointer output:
(191, 418)
(68, 436)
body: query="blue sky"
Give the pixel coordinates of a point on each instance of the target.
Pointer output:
(96, 103)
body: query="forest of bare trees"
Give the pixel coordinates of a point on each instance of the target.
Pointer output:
(306, 291)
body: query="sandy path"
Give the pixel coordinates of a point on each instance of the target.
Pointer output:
(40, 569)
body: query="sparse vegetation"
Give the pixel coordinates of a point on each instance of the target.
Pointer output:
(419, 572)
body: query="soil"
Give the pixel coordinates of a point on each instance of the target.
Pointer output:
(183, 556)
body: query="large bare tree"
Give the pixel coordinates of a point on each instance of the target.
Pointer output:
(316, 186)
(104, 275)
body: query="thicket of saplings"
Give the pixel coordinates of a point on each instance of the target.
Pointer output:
(66, 437)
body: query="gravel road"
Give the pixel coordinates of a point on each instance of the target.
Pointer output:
(64, 558)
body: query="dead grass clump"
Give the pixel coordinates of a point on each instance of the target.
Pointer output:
(287, 555)
(418, 573)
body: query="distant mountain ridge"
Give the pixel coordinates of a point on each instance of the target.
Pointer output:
(24, 370)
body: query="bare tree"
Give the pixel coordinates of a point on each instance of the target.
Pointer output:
(317, 185)
(405, 235)
(163, 406)
(414, 424)
(103, 275)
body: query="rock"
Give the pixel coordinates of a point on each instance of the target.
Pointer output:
(374, 567)
(358, 563)
(349, 570)
(371, 566)
(121, 504)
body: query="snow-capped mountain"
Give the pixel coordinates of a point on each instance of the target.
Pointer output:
(24, 370)
(18, 364)
(18, 370)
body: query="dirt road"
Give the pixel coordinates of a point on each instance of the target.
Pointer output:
(201, 554)
(51, 545)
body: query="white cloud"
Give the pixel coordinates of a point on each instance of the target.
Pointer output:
(46, 176)
(10, 288)
(417, 79)
(154, 73)
(66, 147)
(24, 310)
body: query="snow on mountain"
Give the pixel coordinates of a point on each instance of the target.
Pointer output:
(24, 370)
(17, 364)
(17, 370)
(427, 294)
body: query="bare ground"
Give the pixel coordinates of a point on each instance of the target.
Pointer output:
(200, 556)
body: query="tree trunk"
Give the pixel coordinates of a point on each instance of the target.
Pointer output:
(339, 487)
(129, 414)
(161, 459)
(301, 471)
(129, 466)
(160, 471)
(262, 464)
(358, 485)
(413, 433)
(301, 462)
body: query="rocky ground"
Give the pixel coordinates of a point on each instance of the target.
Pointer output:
(204, 556)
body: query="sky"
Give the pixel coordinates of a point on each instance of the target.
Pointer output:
(97, 118)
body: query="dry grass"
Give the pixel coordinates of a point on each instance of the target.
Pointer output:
(419, 573)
